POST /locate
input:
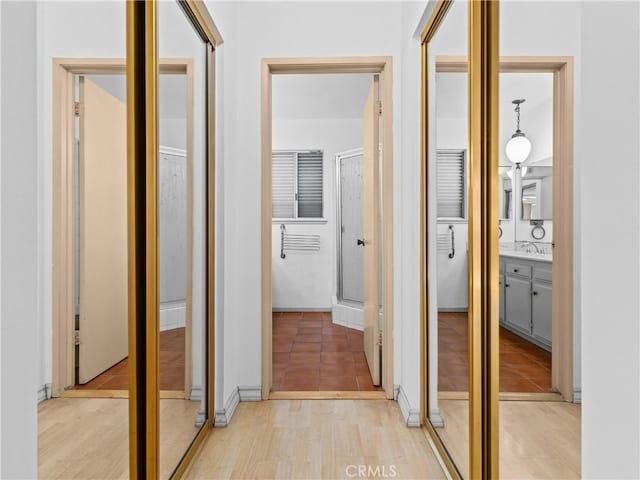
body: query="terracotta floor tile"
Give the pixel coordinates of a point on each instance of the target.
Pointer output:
(336, 347)
(524, 367)
(365, 383)
(280, 358)
(317, 338)
(171, 360)
(310, 323)
(281, 347)
(310, 331)
(117, 382)
(306, 347)
(336, 357)
(323, 356)
(305, 358)
(291, 331)
(359, 357)
(302, 371)
(361, 369)
(337, 369)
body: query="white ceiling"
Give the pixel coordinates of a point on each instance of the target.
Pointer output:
(319, 96)
(172, 92)
(536, 88)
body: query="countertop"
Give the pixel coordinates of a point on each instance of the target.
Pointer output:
(535, 257)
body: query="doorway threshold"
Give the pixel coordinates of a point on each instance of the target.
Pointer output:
(328, 395)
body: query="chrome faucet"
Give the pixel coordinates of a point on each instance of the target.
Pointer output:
(531, 244)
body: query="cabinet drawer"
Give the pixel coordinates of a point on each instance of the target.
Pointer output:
(542, 274)
(517, 269)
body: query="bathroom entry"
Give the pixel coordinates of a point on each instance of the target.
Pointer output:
(325, 227)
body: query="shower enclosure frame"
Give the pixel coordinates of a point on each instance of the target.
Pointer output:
(339, 283)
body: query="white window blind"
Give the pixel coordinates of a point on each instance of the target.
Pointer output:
(297, 184)
(451, 183)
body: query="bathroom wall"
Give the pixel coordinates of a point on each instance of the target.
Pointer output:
(307, 280)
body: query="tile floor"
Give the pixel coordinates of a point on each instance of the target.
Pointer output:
(311, 353)
(171, 366)
(524, 367)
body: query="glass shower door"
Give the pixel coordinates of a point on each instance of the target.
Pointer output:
(350, 258)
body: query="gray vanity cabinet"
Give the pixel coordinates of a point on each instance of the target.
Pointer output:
(525, 299)
(541, 311)
(518, 303)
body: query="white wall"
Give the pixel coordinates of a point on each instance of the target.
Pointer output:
(307, 280)
(277, 29)
(19, 274)
(608, 153)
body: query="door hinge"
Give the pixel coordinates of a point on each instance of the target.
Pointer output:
(379, 108)
(76, 337)
(76, 109)
(380, 338)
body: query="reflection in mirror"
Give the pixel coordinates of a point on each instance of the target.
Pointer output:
(84, 430)
(505, 202)
(537, 193)
(181, 233)
(447, 140)
(540, 436)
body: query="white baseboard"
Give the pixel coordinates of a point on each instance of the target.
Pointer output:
(436, 418)
(223, 415)
(196, 393)
(44, 392)
(172, 315)
(577, 395)
(250, 394)
(349, 316)
(396, 392)
(411, 415)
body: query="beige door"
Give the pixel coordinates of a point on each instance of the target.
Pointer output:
(103, 230)
(371, 216)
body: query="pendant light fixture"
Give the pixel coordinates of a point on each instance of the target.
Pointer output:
(518, 147)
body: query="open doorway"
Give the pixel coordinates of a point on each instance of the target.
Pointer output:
(327, 307)
(319, 207)
(91, 291)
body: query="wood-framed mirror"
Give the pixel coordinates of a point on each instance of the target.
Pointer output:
(171, 232)
(460, 237)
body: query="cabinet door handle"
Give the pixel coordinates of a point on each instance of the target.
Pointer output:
(535, 293)
(506, 285)
(515, 270)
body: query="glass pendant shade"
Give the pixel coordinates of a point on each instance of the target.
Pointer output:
(518, 149)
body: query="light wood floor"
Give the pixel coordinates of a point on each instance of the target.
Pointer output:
(81, 438)
(538, 440)
(307, 439)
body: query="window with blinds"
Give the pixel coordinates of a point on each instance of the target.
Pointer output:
(297, 184)
(451, 183)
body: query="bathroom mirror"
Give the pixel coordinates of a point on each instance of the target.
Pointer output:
(446, 206)
(537, 193)
(505, 201)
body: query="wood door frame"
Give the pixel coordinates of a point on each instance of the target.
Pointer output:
(63, 311)
(326, 65)
(562, 68)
